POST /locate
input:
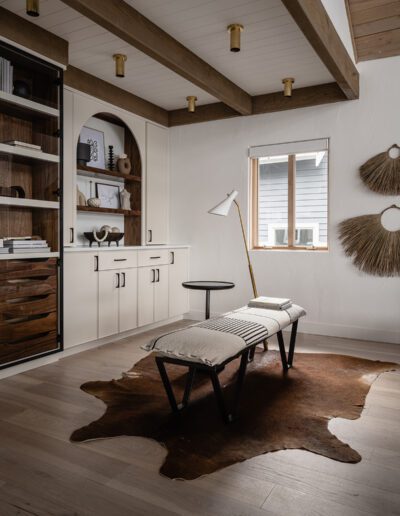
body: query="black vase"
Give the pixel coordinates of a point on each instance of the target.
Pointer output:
(22, 89)
(83, 153)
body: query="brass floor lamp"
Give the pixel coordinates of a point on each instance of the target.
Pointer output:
(223, 209)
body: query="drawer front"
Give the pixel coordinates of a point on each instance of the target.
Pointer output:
(156, 257)
(28, 308)
(117, 260)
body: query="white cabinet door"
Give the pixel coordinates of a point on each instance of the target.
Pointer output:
(178, 273)
(128, 294)
(80, 298)
(109, 282)
(146, 276)
(161, 293)
(156, 184)
(69, 171)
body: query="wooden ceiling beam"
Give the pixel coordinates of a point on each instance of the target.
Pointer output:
(268, 103)
(317, 27)
(124, 21)
(82, 81)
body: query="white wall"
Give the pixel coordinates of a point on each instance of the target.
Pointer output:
(208, 160)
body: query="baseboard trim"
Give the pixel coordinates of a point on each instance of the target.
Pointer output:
(329, 330)
(73, 350)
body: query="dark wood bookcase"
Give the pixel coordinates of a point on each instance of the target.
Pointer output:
(31, 205)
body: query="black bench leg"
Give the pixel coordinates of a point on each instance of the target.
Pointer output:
(167, 384)
(288, 362)
(188, 387)
(292, 343)
(282, 350)
(228, 417)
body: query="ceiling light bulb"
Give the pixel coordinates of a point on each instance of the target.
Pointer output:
(32, 8)
(235, 29)
(191, 103)
(288, 86)
(119, 64)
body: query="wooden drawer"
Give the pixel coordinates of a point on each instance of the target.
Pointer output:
(156, 257)
(13, 351)
(117, 260)
(18, 330)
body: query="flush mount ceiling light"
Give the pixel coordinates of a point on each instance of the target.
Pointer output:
(235, 29)
(191, 99)
(119, 64)
(288, 86)
(32, 8)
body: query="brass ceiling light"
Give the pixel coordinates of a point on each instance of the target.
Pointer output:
(287, 86)
(191, 100)
(234, 30)
(119, 64)
(32, 8)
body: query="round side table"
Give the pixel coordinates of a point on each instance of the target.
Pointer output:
(208, 286)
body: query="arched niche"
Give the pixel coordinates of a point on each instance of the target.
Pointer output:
(112, 130)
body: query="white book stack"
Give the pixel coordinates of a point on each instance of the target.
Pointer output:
(6, 75)
(16, 245)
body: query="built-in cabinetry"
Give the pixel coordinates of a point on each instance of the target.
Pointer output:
(30, 202)
(113, 291)
(146, 144)
(157, 157)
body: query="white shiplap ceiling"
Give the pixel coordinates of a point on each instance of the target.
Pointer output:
(273, 46)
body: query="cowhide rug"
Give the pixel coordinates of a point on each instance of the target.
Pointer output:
(278, 411)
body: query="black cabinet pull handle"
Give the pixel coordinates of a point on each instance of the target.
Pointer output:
(118, 280)
(154, 275)
(96, 263)
(155, 257)
(172, 257)
(158, 275)
(120, 259)
(71, 235)
(150, 235)
(124, 278)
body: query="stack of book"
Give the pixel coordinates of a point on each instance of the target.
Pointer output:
(3, 250)
(6, 75)
(26, 245)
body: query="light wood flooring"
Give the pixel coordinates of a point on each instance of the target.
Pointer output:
(42, 473)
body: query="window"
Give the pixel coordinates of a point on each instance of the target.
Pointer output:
(289, 188)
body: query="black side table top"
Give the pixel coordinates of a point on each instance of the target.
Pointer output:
(208, 285)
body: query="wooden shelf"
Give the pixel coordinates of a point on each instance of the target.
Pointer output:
(100, 172)
(118, 211)
(29, 203)
(19, 105)
(20, 256)
(28, 154)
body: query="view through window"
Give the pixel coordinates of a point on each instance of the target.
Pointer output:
(290, 195)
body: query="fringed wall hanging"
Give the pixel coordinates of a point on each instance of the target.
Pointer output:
(381, 173)
(374, 249)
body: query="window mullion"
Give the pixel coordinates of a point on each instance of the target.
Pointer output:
(255, 237)
(291, 200)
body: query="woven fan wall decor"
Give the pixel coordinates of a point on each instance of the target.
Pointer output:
(381, 173)
(374, 249)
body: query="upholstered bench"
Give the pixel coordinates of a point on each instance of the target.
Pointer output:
(210, 345)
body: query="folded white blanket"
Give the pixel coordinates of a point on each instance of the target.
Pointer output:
(271, 303)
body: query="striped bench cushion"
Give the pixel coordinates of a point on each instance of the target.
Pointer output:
(214, 341)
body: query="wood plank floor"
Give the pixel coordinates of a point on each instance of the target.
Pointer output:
(42, 473)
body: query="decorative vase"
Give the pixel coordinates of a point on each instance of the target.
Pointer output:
(94, 202)
(83, 153)
(22, 89)
(125, 199)
(124, 164)
(80, 198)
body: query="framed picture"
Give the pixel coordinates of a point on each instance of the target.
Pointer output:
(95, 139)
(108, 195)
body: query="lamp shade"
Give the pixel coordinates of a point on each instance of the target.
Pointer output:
(224, 206)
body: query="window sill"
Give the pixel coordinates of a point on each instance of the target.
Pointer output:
(285, 248)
